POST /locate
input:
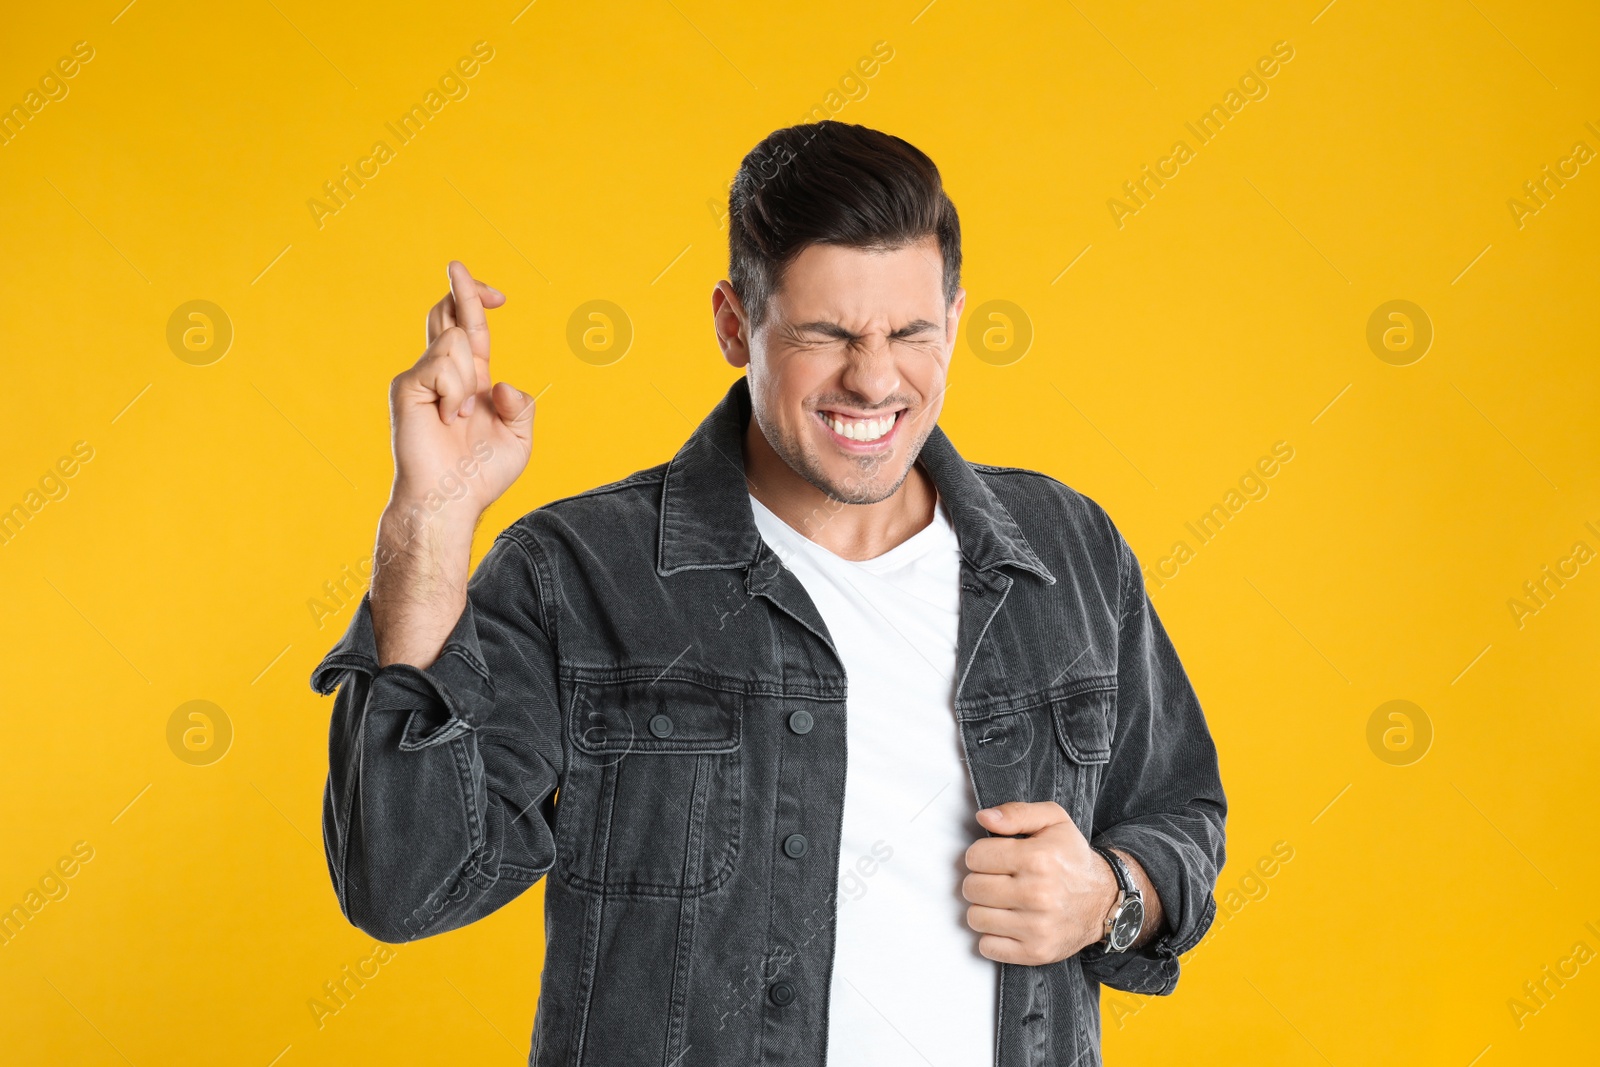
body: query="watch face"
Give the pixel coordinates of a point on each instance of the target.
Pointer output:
(1125, 928)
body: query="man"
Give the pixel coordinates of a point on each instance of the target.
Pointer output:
(744, 707)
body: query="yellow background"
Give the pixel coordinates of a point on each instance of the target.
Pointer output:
(1228, 314)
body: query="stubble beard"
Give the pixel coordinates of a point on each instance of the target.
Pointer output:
(857, 488)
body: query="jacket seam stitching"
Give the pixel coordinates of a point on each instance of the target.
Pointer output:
(545, 595)
(349, 805)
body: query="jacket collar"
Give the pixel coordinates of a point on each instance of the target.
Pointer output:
(707, 522)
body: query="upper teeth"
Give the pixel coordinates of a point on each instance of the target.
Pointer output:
(860, 429)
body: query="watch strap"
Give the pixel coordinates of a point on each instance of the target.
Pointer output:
(1128, 895)
(1119, 870)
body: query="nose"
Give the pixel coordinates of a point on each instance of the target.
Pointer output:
(870, 371)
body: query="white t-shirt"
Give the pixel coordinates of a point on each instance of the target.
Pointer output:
(909, 985)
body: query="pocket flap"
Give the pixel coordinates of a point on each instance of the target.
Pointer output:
(1083, 721)
(661, 715)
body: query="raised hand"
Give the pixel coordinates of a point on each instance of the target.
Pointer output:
(458, 443)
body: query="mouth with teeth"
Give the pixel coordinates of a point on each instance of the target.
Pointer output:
(856, 433)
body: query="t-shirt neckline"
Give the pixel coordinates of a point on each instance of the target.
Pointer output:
(913, 547)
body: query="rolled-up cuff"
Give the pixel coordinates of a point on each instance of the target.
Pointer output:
(450, 697)
(1150, 970)
(1189, 907)
(357, 650)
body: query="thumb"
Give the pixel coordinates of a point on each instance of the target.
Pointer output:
(1022, 817)
(514, 407)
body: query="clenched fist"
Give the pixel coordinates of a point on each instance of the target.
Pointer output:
(1043, 896)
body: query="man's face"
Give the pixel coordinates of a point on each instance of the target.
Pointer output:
(847, 373)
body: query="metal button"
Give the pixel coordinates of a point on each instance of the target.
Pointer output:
(794, 846)
(800, 721)
(781, 993)
(661, 725)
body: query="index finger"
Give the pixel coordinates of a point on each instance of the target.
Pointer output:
(469, 311)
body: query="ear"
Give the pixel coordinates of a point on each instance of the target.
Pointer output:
(952, 319)
(729, 320)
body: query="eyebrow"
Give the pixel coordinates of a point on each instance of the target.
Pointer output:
(834, 330)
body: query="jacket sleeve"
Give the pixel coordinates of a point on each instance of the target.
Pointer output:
(1161, 799)
(439, 808)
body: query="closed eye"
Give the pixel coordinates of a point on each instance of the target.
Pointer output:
(916, 330)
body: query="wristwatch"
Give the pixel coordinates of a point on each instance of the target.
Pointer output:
(1127, 914)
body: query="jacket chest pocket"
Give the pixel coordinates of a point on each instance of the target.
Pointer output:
(650, 802)
(1082, 718)
(1054, 745)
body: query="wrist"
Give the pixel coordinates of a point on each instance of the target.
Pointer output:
(419, 527)
(1123, 925)
(1110, 894)
(419, 579)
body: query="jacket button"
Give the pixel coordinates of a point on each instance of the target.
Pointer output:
(781, 993)
(794, 846)
(661, 725)
(800, 721)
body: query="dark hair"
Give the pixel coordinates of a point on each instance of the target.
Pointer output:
(832, 183)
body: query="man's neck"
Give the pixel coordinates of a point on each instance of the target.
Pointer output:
(851, 531)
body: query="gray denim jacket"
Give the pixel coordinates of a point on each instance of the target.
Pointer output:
(641, 702)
